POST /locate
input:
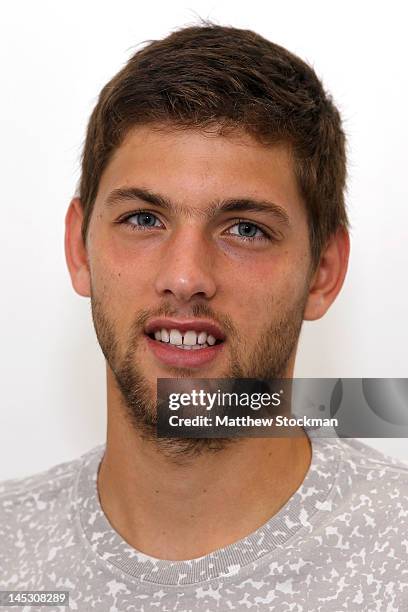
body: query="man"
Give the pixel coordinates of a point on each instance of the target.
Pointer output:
(210, 222)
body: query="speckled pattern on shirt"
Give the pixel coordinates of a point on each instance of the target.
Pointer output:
(339, 543)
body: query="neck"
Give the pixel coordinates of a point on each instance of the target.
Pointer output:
(180, 511)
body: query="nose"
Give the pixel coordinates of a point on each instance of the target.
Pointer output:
(186, 267)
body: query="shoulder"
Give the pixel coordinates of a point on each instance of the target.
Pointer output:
(364, 480)
(33, 499)
(16, 489)
(373, 486)
(363, 520)
(37, 520)
(52, 479)
(362, 457)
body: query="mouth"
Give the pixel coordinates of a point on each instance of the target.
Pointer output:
(184, 343)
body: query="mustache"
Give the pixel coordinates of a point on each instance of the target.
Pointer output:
(197, 310)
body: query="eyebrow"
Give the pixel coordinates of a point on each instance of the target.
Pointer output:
(131, 194)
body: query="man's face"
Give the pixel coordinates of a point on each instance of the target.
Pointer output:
(244, 270)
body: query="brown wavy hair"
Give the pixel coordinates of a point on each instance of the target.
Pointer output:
(210, 75)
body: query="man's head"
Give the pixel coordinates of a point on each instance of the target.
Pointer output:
(235, 153)
(199, 77)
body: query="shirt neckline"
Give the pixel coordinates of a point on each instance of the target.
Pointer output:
(228, 561)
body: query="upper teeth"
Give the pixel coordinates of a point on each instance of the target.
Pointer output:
(189, 338)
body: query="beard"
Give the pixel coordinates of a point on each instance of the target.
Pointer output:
(268, 359)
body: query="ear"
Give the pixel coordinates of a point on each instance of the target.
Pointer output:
(329, 276)
(75, 249)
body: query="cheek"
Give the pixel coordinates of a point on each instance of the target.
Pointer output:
(117, 268)
(266, 281)
(122, 285)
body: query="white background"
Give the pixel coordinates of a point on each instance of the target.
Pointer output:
(56, 56)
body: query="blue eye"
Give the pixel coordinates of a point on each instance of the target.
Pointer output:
(249, 231)
(143, 219)
(146, 219)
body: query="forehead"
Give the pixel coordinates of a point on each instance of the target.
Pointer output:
(194, 167)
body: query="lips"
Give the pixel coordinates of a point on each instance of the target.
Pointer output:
(170, 355)
(173, 354)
